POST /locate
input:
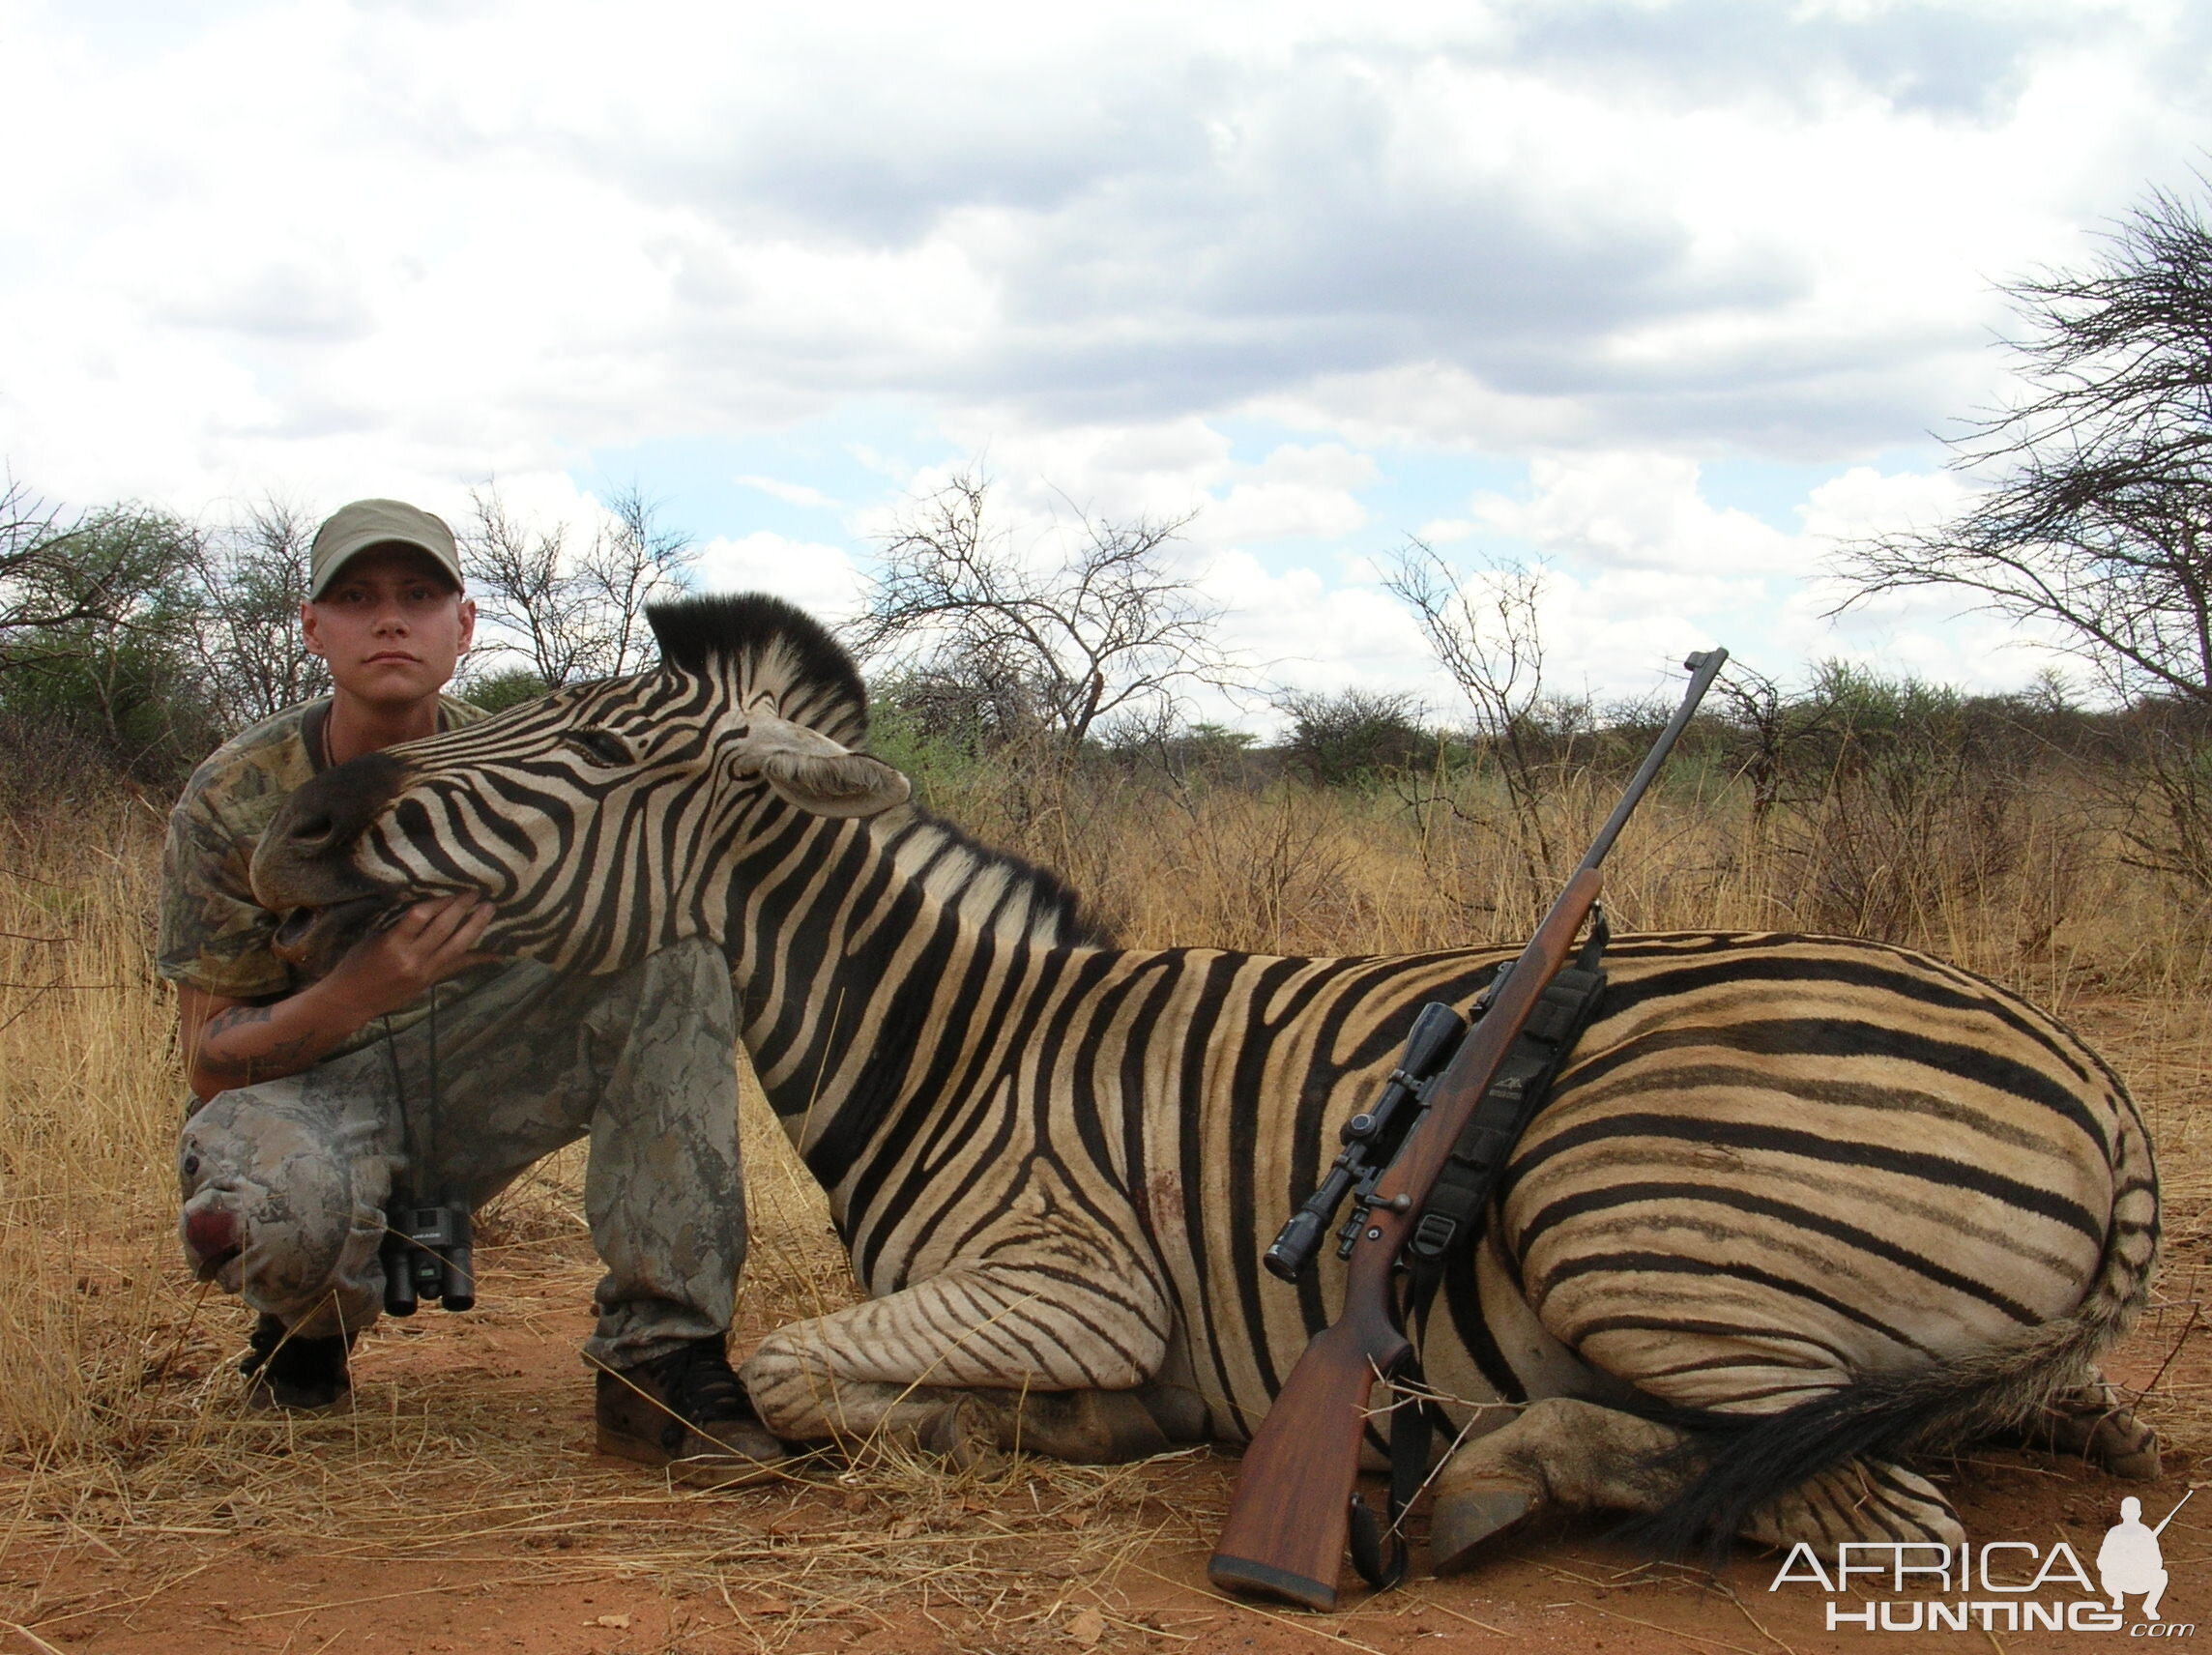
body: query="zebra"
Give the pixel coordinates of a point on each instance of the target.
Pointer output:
(1797, 1206)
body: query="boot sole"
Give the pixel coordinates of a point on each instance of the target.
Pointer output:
(266, 1398)
(696, 1470)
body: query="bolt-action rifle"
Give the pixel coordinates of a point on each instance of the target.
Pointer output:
(1297, 1500)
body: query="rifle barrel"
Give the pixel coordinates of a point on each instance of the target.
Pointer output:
(1704, 669)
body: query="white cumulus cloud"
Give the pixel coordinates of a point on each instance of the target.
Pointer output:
(818, 578)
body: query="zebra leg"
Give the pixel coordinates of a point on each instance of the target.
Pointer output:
(994, 1344)
(1565, 1455)
(970, 1426)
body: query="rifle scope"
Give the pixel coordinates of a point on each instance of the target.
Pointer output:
(1436, 1031)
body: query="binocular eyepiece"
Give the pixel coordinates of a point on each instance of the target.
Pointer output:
(427, 1254)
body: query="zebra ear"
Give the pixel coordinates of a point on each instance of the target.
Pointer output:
(813, 771)
(841, 784)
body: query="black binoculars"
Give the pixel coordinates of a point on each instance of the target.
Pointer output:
(427, 1255)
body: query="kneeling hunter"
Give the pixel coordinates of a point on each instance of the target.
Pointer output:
(420, 1070)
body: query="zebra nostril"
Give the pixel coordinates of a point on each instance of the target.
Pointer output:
(314, 830)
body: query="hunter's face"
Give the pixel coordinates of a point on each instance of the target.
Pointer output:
(391, 625)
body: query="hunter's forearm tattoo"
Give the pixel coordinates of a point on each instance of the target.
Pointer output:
(235, 1017)
(278, 1058)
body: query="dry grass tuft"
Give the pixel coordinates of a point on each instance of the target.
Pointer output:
(124, 1449)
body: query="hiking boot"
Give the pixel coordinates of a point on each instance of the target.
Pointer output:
(687, 1410)
(300, 1376)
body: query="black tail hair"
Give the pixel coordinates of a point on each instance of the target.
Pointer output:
(1751, 1459)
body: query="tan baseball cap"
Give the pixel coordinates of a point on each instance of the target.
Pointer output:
(354, 529)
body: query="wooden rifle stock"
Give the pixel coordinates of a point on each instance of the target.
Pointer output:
(1291, 1516)
(1291, 1512)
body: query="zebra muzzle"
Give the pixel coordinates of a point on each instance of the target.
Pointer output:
(314, 938)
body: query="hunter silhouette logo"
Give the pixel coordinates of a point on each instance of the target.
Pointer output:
(2130, 1560)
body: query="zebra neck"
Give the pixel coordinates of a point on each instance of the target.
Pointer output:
(849, 940)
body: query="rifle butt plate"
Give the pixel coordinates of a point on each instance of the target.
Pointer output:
(1265, 1579)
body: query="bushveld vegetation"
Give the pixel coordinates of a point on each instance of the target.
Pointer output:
(1994, 833)
(2025, 836)
(2022, 835)
(2065, 850)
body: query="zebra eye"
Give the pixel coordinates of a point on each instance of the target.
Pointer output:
(600, 746)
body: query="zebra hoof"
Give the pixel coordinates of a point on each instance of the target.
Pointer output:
(1132, 1432)
(1088, 1428)
(2126, 1446)
(2109, 1437)
(2137, 1465)
(962, 1435)
(1464, 1518)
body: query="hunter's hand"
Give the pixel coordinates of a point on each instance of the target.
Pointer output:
(427, 944)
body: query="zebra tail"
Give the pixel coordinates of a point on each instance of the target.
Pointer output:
(1751, 1459)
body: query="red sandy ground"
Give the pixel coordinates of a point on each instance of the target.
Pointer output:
(1562, 1588)
(242, 1584)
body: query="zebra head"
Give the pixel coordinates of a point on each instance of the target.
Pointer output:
(582, 817)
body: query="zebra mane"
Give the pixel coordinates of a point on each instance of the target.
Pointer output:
(769, 645)
(993, 889)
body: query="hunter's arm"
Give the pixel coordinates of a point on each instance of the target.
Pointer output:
(231, 1044)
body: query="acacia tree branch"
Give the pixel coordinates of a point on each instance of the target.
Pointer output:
(1088, 622)
(2100, 479)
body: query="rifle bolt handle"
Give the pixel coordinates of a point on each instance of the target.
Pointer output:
(1401, 1203)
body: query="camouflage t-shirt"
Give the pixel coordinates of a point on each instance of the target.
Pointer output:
(214, 935)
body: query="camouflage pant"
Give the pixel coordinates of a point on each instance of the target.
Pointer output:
(642, 1061)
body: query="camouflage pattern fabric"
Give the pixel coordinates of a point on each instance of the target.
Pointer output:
(212, 934)
(640, 1062)
(527, 1061)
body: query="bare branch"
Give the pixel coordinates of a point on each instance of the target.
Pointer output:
(633, 562)
(252, 577)
(1482, 627)
(2099, 506)
(578, 616)
(1104, 630)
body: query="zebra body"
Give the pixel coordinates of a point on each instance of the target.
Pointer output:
(1836, 1186)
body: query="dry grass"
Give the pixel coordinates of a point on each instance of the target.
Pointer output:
(124, 1448)
(2030, 886)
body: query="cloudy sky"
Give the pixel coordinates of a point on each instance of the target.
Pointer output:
(1666, 296)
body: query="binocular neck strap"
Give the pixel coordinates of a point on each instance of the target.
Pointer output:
(422, 1161)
